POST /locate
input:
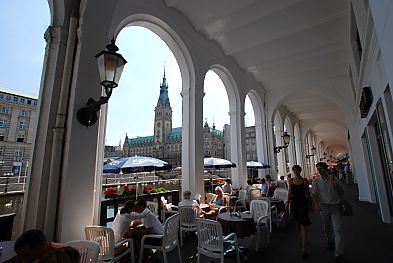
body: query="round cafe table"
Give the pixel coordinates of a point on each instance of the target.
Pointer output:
(7, 250)
(243, 226)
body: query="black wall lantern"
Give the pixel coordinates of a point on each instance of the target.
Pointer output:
(313, 152)
(110, 67)
(286, 137)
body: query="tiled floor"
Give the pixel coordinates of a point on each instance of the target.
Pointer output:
(366, 239)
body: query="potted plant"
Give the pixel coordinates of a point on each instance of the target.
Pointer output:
(147, 189)
(110, 193)
(128, 191)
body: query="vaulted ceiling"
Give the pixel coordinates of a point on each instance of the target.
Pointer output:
(291, 45)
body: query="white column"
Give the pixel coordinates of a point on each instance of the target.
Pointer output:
(281, 155)
(192, 139)
(299, 152)
(291, 152)
(33, 211)
(238, 149)
(261, 146)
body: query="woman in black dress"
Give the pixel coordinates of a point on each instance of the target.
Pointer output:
(298, 194)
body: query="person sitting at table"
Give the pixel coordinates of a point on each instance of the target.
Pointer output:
(271, 186)
(264, 187)
(148, 224)
(188, 202)
(282, 183)
(216, 203)
(32, 245)
(123, 219)
(227, 187)
(249, 187)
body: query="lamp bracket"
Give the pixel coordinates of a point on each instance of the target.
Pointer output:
(309, 155)
(277, 149)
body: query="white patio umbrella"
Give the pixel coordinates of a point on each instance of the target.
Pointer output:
(257, 165)
(217, 163)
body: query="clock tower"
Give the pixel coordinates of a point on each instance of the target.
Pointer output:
(162, 119)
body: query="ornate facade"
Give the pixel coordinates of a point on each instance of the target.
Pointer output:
(18, 122)
(166, 143)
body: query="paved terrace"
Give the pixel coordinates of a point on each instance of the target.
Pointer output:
(366, 239)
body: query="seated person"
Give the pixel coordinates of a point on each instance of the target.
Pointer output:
(149, 224)
(264, 187)
(271, 186)
(249, 187)
(282, 183)
(32, 245)
(227, 187)
(61, 255)
(123, 219)
(188, 202)
(215, 204)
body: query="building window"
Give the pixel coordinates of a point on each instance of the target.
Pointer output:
(28, 102)
(24, 113)
(8, 97)
(1, 151)
(34, 102)
(18, 152)
(1, 96)
(15, 99)
(1, 137)
(22, 125)
(3, 123)
(22, 100)
(21, 138)
(5, 110)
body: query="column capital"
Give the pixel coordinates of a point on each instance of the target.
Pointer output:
(52, 35)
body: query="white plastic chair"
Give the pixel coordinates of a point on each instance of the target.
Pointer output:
(272, 211)
(188, 216)
(88, 250)
(211, 240)
(241, 200)
(153, 207)
(281, 194)
(198, 197)
(105, 238)
(209, 197)
(169, 240)
(259, 210)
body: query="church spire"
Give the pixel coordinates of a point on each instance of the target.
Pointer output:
(163, 99)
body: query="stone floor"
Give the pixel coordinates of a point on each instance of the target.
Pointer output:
(366, 240)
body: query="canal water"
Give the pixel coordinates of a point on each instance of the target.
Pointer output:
(12, 204)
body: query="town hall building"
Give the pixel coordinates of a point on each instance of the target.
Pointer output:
(166, 143)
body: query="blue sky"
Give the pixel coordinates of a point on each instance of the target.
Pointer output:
(131, 107)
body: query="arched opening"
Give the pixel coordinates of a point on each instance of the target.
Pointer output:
(232, 132)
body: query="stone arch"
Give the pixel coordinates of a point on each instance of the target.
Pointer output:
(259, 116)
(236, 114)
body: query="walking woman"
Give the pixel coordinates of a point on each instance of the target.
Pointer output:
(298, 195)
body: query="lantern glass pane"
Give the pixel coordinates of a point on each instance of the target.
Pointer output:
(101, 67)
(119, 68)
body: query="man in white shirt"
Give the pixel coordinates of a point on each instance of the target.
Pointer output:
(151, 225)
(123, 219)
(227, 187)
(327, 193)
(188, 202)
